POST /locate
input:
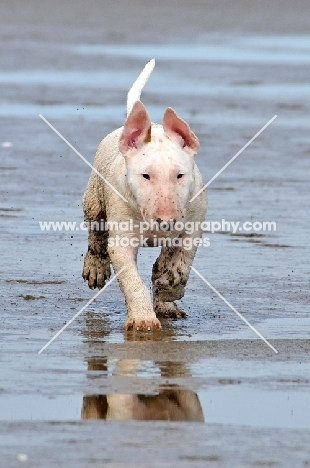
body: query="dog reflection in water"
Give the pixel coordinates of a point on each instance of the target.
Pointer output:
(170, 404)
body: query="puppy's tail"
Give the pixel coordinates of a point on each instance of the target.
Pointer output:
(136, 89)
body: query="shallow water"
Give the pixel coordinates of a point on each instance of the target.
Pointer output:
(237, 406)
(261, 49)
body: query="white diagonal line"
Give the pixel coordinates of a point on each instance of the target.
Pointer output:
(82, 157)
(233, 158)
(81, 310)
(235, 310)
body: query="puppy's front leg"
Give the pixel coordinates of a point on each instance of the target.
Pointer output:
(141, 315)
(170, 275)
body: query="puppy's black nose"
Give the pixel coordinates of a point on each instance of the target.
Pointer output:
(158, 220)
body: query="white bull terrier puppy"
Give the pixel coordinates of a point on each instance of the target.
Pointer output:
(148, 177)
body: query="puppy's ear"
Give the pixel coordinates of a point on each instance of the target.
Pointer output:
(137, 129)
(179, 130)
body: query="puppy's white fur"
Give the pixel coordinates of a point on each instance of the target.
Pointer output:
(153, 167)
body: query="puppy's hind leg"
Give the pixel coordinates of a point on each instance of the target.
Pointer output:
(97, 261)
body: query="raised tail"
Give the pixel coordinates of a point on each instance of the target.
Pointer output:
(136, 89)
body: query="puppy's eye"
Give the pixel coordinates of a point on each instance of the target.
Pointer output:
(146, 176)
(179, 176)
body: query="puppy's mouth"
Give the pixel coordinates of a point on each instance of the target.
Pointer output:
(165, 225)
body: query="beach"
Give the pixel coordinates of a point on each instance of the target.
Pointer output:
(207, 390)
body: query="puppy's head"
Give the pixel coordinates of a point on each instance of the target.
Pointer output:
(160, 163)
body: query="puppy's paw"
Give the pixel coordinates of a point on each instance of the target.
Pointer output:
(169, 310)
(96, 270)
(142, 324)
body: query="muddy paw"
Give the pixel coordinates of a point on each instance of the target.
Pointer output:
(142, 324)
(96, 270)
(169, 310)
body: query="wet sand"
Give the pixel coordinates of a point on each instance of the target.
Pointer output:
(216, 394)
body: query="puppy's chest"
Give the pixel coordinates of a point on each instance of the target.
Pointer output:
(151, 238)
